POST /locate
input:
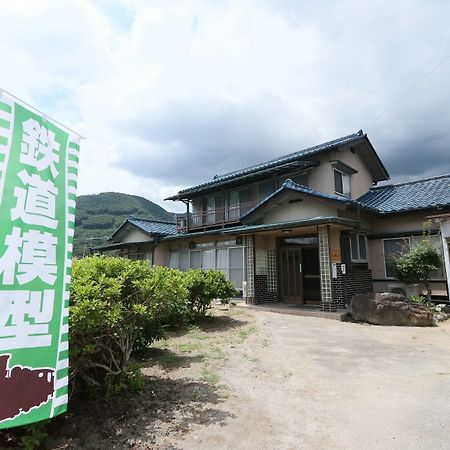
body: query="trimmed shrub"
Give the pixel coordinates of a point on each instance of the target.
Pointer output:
(119, 306)
(203, 287)
(168, 308)
(416, 265)
(108, 313)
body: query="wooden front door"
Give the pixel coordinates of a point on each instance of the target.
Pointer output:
(291, 275)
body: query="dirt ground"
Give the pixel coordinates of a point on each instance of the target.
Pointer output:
(259, 380)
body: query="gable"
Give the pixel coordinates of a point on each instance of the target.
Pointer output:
(290, 207)
(321, 178)
(131, 233)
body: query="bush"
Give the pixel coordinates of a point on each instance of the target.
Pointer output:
(203, 287)
(108, 313)
(168, 306)
(119, 306)
(416, 265)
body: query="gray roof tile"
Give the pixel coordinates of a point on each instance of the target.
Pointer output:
(291, 157)
(420, 194)
(159, 227)
(292, 186)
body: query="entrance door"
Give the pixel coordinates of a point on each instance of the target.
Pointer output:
(300, 274)
(311, 274)
(291, 275)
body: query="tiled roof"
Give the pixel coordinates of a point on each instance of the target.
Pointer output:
(159, 227)
(301, 155)
(149, 226)
(420, 194)
(243, 229)
(290, 185)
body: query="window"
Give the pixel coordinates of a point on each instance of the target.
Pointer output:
(358, 247)
(391, 249)
(341, 183)
(265, 189)
(300, 179)
(236, 266)
(209, 206)
(394, 247)
(436, 241)
(196, 259)
(225, 256)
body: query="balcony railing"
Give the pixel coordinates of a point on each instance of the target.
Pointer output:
(214, 217)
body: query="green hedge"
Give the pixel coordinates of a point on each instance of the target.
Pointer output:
(119, 306)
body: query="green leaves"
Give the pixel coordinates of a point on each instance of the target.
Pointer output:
(203, 287)
(416, 265)
(119, 306)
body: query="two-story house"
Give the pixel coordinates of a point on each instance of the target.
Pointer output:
(310, 227)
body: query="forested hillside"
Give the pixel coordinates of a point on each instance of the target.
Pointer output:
(99, 215)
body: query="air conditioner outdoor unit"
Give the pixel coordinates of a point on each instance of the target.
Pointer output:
(397, 288)
(403, 289)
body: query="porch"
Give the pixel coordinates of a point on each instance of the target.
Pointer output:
(301, 270)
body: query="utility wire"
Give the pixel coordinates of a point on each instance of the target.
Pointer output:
(411, 88)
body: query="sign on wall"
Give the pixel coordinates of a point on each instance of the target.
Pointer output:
(38, 176)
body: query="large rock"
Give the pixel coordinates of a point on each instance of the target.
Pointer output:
(389, 309)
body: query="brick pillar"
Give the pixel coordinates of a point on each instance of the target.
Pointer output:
(250, 269)
(338, 283)
(325, 269)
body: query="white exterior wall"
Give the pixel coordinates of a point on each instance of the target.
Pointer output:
(306, 209)
(322, 177)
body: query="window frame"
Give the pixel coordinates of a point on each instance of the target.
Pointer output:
(346, 184)
(403, 238)
(211, 246)
(359, 260)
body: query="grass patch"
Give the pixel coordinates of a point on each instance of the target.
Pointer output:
(210, 377)
(244, 333)
(189, 347)
(216, 353)
(162, 344)
(167, 358)
(196, 333)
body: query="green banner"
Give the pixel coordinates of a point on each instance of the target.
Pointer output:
(38, 175)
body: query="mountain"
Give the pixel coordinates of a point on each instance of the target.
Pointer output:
(98, 216)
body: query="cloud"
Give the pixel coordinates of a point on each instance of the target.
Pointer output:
(171, 93)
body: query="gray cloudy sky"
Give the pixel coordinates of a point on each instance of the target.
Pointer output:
(170, 93)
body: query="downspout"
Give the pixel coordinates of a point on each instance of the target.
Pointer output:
(156, 242)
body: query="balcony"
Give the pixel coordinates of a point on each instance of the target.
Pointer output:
(214, 217)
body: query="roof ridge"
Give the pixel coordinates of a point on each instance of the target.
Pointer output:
(151, 220)
(289, 183)
(272, 160)
(434, 177)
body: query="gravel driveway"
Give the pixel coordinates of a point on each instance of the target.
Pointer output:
(301, 382)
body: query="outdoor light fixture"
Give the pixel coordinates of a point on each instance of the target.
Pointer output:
(286, 231)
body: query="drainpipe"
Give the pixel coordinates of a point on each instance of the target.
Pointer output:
(155, 243)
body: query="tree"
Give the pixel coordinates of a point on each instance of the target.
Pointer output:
(415, 265)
